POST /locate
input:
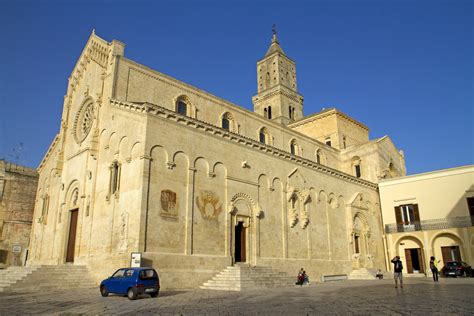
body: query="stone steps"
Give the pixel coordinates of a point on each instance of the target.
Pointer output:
(34, 278)
(362, 274)
(241, 277)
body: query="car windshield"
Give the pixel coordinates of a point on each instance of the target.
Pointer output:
(453, 264)
(148, 274)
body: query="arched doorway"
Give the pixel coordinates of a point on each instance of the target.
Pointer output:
(412, 254)
(244, 229)
(448, 247)
(360, 242)
(72, 208)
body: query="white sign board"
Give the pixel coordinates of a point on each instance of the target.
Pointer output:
(136, 260)
(16, 249)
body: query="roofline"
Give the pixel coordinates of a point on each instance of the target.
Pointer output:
(428, 175)
(324, 113)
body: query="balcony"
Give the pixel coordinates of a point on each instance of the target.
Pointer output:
(432, 224)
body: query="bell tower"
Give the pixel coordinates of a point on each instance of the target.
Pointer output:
(278, 98)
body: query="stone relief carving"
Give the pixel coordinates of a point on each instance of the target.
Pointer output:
(256, 210)
(123, 244)
(298, 207)
(169, 203)
(208, 204)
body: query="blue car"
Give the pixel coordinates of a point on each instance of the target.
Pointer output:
(132, 282)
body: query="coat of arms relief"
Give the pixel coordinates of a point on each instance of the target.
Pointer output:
(298, 208)
(169, 204)
(209, 205)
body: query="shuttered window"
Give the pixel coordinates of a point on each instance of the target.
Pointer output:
(407, 214)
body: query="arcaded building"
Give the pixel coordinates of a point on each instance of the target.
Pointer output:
(146, 163)
(429, 214)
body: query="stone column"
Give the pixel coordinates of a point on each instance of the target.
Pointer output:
(190, 212)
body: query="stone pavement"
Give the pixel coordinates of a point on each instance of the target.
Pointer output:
(420, 296)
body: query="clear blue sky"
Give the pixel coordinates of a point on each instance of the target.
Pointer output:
(403, 68)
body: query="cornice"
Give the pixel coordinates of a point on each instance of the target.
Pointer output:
(268, 93)
(326, 113)
(189, 89)
(48, 153)
(165, 114)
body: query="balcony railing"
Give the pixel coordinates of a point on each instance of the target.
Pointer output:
(432, 224)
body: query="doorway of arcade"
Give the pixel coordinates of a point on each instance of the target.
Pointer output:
(414, 259)
(451, 253)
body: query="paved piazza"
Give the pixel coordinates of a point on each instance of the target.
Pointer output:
(419, 296)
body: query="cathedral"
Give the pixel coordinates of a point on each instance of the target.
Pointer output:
(146, 163)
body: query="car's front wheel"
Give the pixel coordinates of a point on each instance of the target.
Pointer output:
(131, 293)
(103, 291)
(155, 294)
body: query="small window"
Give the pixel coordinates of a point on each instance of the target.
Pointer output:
(357, 171)
(264, 136)
(182, 108)
(470, 205)
(344, 142)
(328, 141)
(114, 177)
(270, 112)
(225, 123)
(44, 211)
(265, 113)
(318, 156)
(294, 147)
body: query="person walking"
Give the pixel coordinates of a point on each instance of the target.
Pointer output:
(434, 268)
(397, 271)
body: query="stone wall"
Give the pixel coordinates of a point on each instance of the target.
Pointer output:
(17, 199)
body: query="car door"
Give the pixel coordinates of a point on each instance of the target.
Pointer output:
(113, 283)
(127, 281)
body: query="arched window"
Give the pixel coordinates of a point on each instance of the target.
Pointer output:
(182, 107)
(294, 150)
(327, 141)
(265, 113)
(270, 112)
(264, 136)
(114, 177)
(356, 166)
(318, 156)
(344, 142)
(228, 122)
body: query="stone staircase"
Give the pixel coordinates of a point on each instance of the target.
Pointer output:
(362, 274)
(44, 278)
(243, 277)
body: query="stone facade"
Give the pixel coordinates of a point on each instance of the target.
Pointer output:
(146, 163)
(18, 186)
(429, 214)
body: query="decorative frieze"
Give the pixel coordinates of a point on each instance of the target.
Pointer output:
(163, 113)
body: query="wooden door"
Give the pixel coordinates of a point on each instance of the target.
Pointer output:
(451, 253)
(408, 259)
(71, 243)
(243, 243)
(421, 260)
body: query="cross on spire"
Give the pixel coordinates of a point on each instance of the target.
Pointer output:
(274, 29)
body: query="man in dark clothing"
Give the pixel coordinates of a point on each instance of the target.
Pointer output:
(397, 271)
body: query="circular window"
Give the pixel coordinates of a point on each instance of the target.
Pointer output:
(84, 120)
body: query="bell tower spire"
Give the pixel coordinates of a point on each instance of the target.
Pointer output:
(278, 98)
